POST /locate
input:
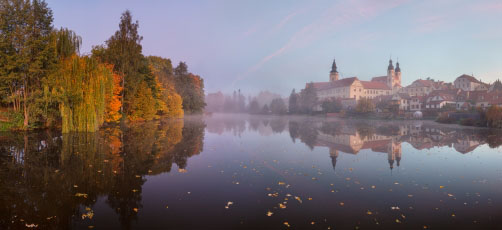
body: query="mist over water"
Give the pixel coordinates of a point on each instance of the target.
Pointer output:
(246, 171)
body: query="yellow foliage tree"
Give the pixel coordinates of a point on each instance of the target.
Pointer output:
(144, 105)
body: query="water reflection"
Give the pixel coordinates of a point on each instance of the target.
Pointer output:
(51, 180)
(48, 179)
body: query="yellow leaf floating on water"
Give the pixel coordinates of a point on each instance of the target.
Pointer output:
(410, 195)
(167, 206)
(441, 186)
(281, 183)
(450, 195)
(135, 190)
(373, 186)
(282, 206)
(310, 198)
(369, 212)
(36, 225)
(398, 221)
(287, 224)
(298, 199)
(138, 176)
(350, 169)
(342, 204)
(75, 186)
(394, 208)
(312, 223)
(135, 209)
(453, 215)
(90, 226)
(81, 195)
(269, 213)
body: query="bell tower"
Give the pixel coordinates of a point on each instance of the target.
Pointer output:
(398, 74)
(333, 75)
(390, 74)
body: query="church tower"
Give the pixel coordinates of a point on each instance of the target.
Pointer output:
(390, 74)
(398, 74)
(333, 75)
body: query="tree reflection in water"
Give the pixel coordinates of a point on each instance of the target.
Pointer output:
(46, 178)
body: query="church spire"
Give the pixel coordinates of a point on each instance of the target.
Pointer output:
(333, 67)
(391, 67)
(397, 67)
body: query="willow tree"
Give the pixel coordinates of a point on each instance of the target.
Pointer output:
(81, 86)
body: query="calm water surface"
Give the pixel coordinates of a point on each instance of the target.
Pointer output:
(250, 172)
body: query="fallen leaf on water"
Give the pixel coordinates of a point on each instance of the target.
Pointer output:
(150, 171)
(269, 213)
(450, 195)
(281, 183)
(398, 221)
(394, 208)
(453, 215)
(282, 206)
(135, 209)
(90, 226)
(135, 190)
(410, 195)
(288, 194)
(167, 206)
(373, 186)
(287, 224)
(312, 223)
(348, 178)
(342, 204)
(298, 199)
(310, 198)
(36, 225)
(441, 186)
(350, 169)
(369, 212)
(75, 186)
(81, 195)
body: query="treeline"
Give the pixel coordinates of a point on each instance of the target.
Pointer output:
(45, 82)
(263, 103)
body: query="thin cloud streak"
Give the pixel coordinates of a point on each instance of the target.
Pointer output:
(340, 15)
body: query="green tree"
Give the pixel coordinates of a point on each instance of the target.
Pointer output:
(191, 89)
(277, 106)
(331, 106)
(254, 107)
(308, 98)
(27, 53)
(293, 102)
(123, 50)
(365, 106)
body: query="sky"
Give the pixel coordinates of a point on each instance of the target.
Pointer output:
(281, 45)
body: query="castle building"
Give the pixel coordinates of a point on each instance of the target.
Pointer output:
(354, 89)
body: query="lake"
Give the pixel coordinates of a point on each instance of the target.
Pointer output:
(254, 172)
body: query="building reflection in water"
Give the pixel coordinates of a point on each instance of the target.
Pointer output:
(352, 136)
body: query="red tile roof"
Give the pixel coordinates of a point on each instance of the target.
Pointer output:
(334, 84)
(380, 79)
(375, 85)
(469, 78)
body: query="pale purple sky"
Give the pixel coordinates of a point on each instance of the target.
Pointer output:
(281, 45)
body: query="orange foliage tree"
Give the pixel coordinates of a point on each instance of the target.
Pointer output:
(113, 102)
